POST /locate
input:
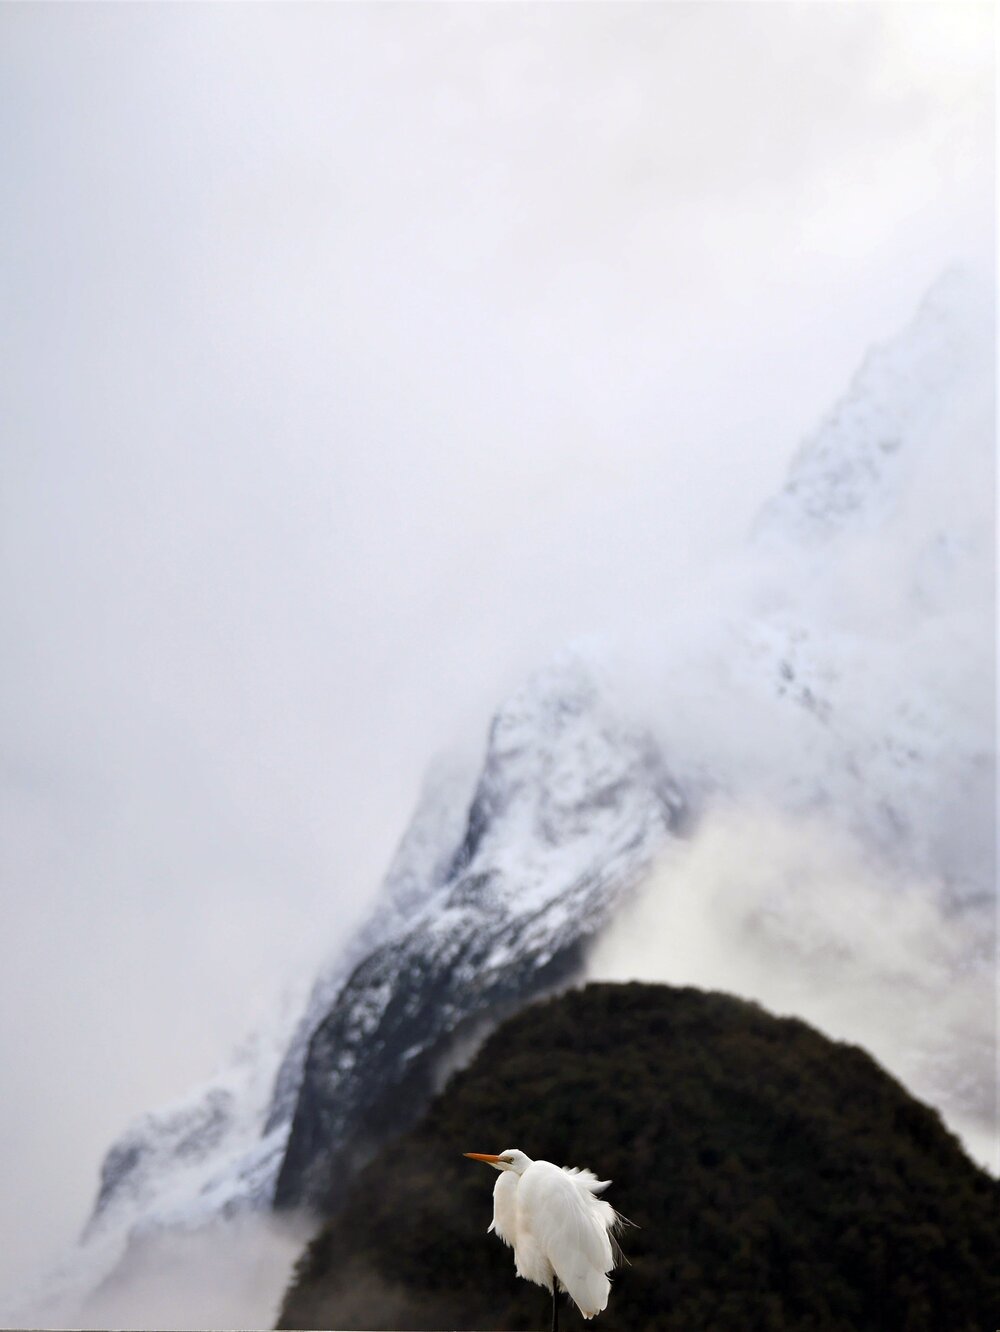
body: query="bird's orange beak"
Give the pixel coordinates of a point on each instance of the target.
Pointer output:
(482, 1156)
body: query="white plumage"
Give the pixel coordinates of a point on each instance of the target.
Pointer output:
(560, 1231)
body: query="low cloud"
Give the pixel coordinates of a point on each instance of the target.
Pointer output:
(232, 1274)
(794, 912)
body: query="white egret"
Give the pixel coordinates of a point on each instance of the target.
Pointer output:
(562, 1234)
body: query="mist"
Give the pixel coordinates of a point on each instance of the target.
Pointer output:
(357, 357)
(792, 912)
(230, 1274)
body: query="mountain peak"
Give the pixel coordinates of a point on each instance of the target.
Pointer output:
(570, 806)
(851, 473)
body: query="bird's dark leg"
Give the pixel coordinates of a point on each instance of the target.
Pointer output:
(555, 1305)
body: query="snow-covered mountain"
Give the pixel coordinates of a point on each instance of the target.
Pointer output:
(860, 633)
(855, 472)
(837, 732)
(842, 668)
(569, 808)
(490, 901)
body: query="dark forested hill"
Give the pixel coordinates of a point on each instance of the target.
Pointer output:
(778, 1180)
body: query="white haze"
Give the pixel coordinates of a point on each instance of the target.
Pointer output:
(231, 1274)
(355, 357)
(793, 912)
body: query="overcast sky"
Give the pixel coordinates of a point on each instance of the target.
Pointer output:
(354, 358)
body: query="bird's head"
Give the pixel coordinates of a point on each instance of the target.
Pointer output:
(509, 1159)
